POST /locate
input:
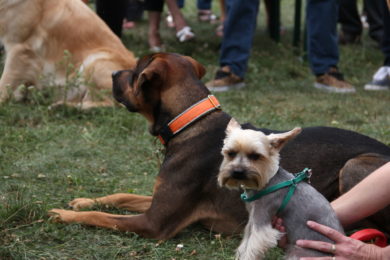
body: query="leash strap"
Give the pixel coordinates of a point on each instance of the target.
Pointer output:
(303, 175)
(190, 115)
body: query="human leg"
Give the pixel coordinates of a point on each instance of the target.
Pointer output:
(112, 12)
(154, 9)
(374, 10)
(203, 4)
(381, 79)
(349, 19)
(204, 11)
(386, 34)
(239, 29)
(183, 31)
(323, 52)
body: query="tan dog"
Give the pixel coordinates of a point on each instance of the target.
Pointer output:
(62, 40)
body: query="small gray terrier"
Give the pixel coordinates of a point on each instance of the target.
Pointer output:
(251, 162)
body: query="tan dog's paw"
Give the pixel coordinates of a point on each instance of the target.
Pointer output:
(62, 215)
(81, 203)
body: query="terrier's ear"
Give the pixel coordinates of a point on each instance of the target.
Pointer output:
(277, 141)
(233, 124)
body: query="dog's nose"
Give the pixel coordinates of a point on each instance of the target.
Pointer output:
(116, 73)
(239, 174)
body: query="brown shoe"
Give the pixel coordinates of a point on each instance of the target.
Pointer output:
(333, 81)
(225, 80)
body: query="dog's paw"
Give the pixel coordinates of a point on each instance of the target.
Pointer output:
(62, 215)
(81, 203)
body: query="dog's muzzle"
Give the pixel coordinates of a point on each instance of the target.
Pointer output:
(238, 174)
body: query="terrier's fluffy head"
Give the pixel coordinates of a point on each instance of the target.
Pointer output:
(250, 158)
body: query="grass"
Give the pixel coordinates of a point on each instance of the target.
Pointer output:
(48, 157)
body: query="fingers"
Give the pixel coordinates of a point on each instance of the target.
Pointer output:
(317, 245)
(321, 245)
(317, 258)
(326, 231)
(277, 223)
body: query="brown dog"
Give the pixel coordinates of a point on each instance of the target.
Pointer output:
(160, 88)
(62, 41)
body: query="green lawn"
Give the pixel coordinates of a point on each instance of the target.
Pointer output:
(48, 157)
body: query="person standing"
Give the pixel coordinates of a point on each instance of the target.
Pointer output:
(323, 53)
(381, 79)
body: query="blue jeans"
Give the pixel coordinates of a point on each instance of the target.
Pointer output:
(239, 29)
(322, 41)
(201, 4)
(240, 25)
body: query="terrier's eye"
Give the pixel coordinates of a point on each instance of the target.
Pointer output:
(254, 156)
(231, 154)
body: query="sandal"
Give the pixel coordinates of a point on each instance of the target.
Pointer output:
(207, 16)
(185, 34)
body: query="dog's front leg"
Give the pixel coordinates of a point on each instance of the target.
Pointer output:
(170, 211)
(160, 221)
(131, 202)
(133, 223)
(257, 240)
(22, 67)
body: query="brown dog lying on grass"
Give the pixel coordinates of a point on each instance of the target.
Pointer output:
(60, 40)
(166, 89)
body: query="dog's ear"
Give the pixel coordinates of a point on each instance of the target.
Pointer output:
(233, 124)
(153, 73)
(199, 69)
(277, 141)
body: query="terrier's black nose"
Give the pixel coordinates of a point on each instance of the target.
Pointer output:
(239, 174)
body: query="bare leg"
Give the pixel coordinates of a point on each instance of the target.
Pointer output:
(177, 16)
(154, 38)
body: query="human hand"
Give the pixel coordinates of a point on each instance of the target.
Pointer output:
(277, 223)
(344, 248)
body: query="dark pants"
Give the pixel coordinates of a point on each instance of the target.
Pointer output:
(386, 33)
(154, 5)
(112, 12)
(349, 18)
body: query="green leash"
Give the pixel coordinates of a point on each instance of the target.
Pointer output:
(303, 175)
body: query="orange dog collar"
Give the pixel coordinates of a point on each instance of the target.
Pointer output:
(190, 115)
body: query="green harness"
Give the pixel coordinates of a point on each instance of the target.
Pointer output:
(303, 175)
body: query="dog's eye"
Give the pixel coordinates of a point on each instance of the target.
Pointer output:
(231, 154)
(254, 156)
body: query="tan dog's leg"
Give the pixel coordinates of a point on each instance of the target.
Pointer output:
(21, 67)
(131, 202)
(100, 95)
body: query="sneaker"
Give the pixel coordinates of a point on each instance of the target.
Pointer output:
(225, 80)
(333, 81)
(381, 80)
